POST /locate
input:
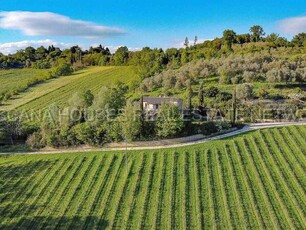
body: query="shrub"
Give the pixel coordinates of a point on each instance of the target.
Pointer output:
(113, 131)
(64, 69)
(35, 141)
(169, 121)
(130, 121)
(212, 92)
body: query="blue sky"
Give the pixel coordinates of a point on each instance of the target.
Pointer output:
(143, 23)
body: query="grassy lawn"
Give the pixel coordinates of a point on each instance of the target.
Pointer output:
(253, 181)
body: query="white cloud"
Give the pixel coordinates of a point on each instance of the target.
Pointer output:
(293, 26)
(51, 24)
(12, 47)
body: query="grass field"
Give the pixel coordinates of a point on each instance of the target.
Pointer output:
(17, 80)
(61, 89)
(253, 181)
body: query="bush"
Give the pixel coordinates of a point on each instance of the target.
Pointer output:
(35, 141)
(90, 135)
(78, 66)
(169, 121)
(64, 69)
(84, 133)
(209, 128)
(113, 131)
(212, 92)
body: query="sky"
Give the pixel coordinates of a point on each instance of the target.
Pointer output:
(139, 23)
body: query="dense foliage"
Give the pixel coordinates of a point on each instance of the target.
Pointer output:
(264, 66)
(149, 61)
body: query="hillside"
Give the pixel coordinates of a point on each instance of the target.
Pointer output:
(15, 81)
(254, 181)
(59, 90)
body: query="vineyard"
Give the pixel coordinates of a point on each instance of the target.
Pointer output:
(13, 82)
(254, 181)
(60, 90)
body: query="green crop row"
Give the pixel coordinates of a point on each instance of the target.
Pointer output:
(253, 181)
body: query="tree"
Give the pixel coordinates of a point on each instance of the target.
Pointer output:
(186, 42)
(189, 94)
(77, 101)
(201, 94)
(30, 53)
(102, 100)
(243, 38)
(130, 121)
(234, 106)
(282, 42)
(229, 37)
(184, 57)
(111, 99)
(41, 53)
(195, 40)
(169, 121)
(244, 91)
(298, 40)
(257, 32)
(88, 98)
(121, 56)
(272, 37)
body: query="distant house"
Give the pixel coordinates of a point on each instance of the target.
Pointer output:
(152, 104)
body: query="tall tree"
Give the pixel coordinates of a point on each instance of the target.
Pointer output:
(121, 55)
(130, 121)
(201, 94)
(189, 95)
(234, 106)
(257, 32)
(186, 42)
(229, 37)
(195, 40)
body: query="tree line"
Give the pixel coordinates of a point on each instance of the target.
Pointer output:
(147, 61)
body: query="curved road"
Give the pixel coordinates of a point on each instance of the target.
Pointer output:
(247, 128)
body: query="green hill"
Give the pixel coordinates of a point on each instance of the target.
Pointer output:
(59, 90)
(254, 181)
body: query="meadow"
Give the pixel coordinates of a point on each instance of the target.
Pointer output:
(61, 89)
(253, 181)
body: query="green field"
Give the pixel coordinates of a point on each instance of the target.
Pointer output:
(61, 89)
(14, 81)
(253, 181)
